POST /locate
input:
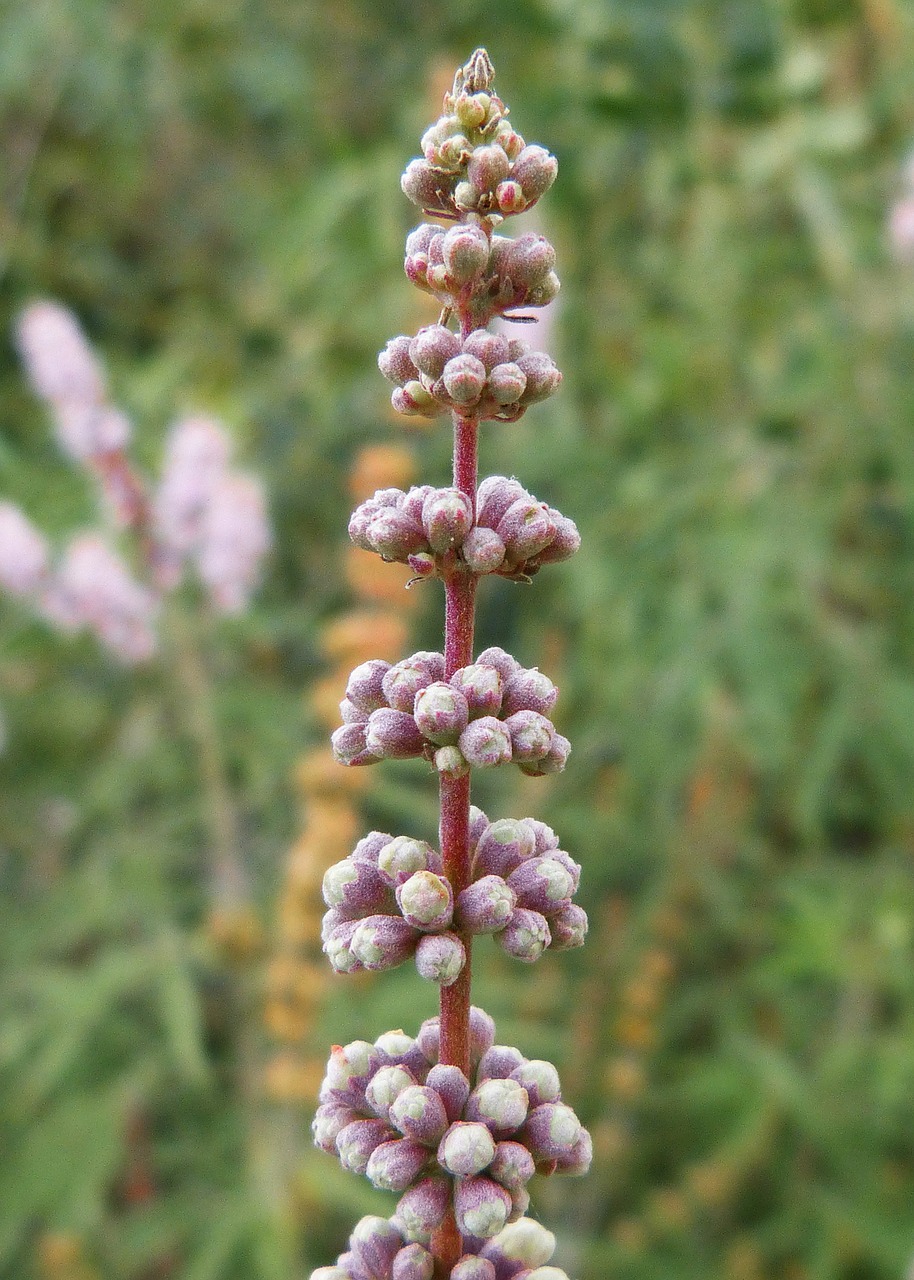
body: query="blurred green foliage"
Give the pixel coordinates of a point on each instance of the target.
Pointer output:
(213, 187)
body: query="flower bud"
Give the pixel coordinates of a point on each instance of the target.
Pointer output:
(502, 847)
(349, 1069)
(383, 942)
(531, 258)
(485, 743)
(485, 906)
(500, 1104)
(552, 1131)
(507, 383)
(330, 1273)
(529, 690)
(481, 1207)
(481, 686)
(542, 376)
(494, 497)
(420, 238)
(402, 857)
(540, 1079)
(472, 110)
(427, 186)
(351, 1267)
(376, 1242)
(472, 1267)
(531, 736)
(451, 763)
(482, 1035)
(553, 762)
(422, 564)
(466, 196)
(402, 682)
(487, 167)
(466, 253)
(394, 536)
(426, 901)
(370, 846)
(525, 1242)
(350, 713)
(499, 1062)
(423, 1208)
(526, 935)
(464, 378)
(466, 1149)
(385, 1086)
(542, 884)
(419, 1114)
(535, 169)
(545, 292)
(512, 1166)
(393, 735)
(356, 888)
(547, 1273)
(413, 1263)
(395, 362)
(564, 544)
(510, 198)
(483, 551)
(452, 1087)
(396, 1165)
(329, 1121)
(364, 688)
(490, 348)
(432, 347)
(453, 152)
(338, 947)
(447, 517)
(400, 1050)
(441, 712)
(440, 958)
(503, 662)
(414, 398)
(577, 1162)
(568, 928)
(358, 1141)
(525, 528)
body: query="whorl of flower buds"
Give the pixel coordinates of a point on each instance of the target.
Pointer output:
(234, 538)
(433, 530)
(485, 375)
(94, 589)
(23, 553)
(441, 1140)
(487, 714)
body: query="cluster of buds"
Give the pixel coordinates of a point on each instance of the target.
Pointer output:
(492, 376)
(389, 900)
(445, 1142)
(203, 513)
(495, 274)
(435, 531)
(488, 713)
(378, 1250)
(473, 161)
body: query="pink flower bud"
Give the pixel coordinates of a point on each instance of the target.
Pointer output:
(507, 383)
(392, 735)
(419, 1114)
(414, 398)
(466, 1149)
(331, 1273)
(510, 198)
(383, 942)
(94, 588)
(370, 846)
(542, 376)
(23, 552)
(500, 1061)
(393, 535)
(432, 347)
(503, 663)
(349, 745)
(422, 1209)
(535, 169)
(364, 688)
(351, 714)
(547, 1273)
(489, 348)
(358, 1140)
(503, 846)
(452, 1087)
(526, 528)
(465, 249)
(578, 1160)
(472, 1267)
(402, 682)
(400, 1050)
(376, 1242)
(502, 1105)
(447, 517)
(349, 1069)
(540, 1079)
(413, 1263)
(529, 690)
(396, 1165)
(403, 856)
(385, 1086)
(481, 1206)
(485, 906)
(565, 542)
(355, 888)
(421, 237)
(487, 167)
(329, 1121)
(466, 196)
(553, 762)
(531, 736)
(426, 901)
(531, 258)
(524, 1244)
(481, 686)
(395, 362)
(441, 712)
(526, 935)
(464, 378)
(494, 497)
(483, 551)
(542, 884)
(552, 1131)
(568, 928)
(451, 763)
(485, 743)
(427, 186)
(234, 538)
(338, 946)
(440, 958)
(423, 564)
(512, 1165)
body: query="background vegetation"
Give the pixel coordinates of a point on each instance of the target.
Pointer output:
(212, 185)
